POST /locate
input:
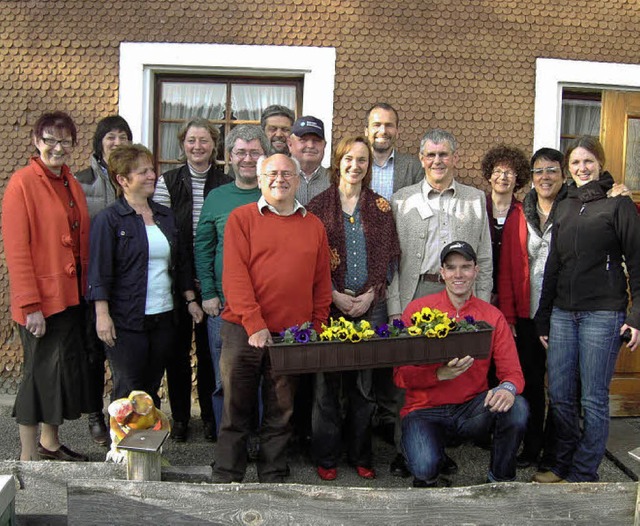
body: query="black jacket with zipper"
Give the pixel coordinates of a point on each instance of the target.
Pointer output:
(592, 236)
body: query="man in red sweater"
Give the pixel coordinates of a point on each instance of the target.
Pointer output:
(452, 401)
(276, 274)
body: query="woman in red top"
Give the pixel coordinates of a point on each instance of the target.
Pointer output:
(45, 225)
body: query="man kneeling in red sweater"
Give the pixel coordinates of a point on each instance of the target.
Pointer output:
(452, 402)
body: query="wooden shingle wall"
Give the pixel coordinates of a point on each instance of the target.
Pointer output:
(467, 66)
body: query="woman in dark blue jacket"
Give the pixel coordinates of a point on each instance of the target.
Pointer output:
(136, 271)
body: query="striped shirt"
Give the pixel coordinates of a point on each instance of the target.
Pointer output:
(198, 180)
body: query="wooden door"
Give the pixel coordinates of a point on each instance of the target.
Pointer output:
(620, 136)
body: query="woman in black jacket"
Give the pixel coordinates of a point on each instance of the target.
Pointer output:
(583, 308)
(137, 271)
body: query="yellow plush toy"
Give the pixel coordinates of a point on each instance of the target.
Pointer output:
(135, 412)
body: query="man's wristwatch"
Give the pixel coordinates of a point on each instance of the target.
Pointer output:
(189, 302)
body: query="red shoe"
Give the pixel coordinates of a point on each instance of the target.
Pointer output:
(327, 473)
(365, 473)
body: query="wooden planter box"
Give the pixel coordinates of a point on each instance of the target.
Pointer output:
(296, 358)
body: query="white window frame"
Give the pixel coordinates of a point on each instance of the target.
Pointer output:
(552, 75)
(140, 62)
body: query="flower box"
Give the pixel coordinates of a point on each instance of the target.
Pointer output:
(296, 358)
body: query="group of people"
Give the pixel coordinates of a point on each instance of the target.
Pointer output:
(129, 266)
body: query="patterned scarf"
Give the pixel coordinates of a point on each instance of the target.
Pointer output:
(383, 246)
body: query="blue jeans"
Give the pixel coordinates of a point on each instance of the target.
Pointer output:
(215, 347)
(583, 347)
(425, 433)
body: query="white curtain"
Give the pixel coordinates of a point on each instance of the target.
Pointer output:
(248, 101)
(579, 117)
(182, 101)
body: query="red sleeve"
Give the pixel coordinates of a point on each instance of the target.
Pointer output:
(508, 260)
(17, 246)
(505, 355)
(238, 288)
(322, 284)
(416, 376)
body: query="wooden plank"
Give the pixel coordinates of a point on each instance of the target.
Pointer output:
(7, 500)
(624, 438)
(92, 502)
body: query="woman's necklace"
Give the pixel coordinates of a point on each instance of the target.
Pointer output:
(540, 211)
(499, 212)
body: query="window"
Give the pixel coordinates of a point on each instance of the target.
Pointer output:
(581, 111)
(224, 101)
(554, 75)
(142, 62)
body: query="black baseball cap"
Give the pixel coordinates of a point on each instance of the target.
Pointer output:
(308, 124)
(459, 247)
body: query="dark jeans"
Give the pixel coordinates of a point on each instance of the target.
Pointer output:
(388, 397)
(179, 381)
(327, 418)
(583, 348)
(425, 434)
(138, 358)
(242, 367)
(533, 358)
(215, 347)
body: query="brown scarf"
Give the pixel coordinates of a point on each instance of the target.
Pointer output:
(383, 246)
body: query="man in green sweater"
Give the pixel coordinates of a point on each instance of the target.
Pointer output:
(245, 144)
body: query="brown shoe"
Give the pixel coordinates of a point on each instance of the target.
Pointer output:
(546, 477)
(62, 453)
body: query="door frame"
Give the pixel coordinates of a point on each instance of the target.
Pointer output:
(554, 74)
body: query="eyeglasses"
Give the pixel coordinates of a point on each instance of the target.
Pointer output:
(274, 175)
(508, 174)
(241, 154)
(550, 171)
(53, 142)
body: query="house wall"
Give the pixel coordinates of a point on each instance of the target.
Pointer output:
(468, 66)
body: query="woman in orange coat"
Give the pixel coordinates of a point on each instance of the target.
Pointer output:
(45, 226)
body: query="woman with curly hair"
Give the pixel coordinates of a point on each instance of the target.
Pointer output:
(507, 170)
(358, 218)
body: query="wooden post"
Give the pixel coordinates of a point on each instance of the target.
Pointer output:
(143, 453)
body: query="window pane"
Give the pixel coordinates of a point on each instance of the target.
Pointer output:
(581, 117)
(632, 167)
(169, 147)
(186, 100)
(248, 101)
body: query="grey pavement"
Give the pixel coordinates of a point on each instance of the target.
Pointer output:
(41, 487)
(473, 461)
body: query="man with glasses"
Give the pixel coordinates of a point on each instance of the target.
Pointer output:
(306, 144)
(244, 144)
(276, 122)
(276, 274)
(429, 215)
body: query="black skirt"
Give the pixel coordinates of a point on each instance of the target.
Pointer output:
(53, 387)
